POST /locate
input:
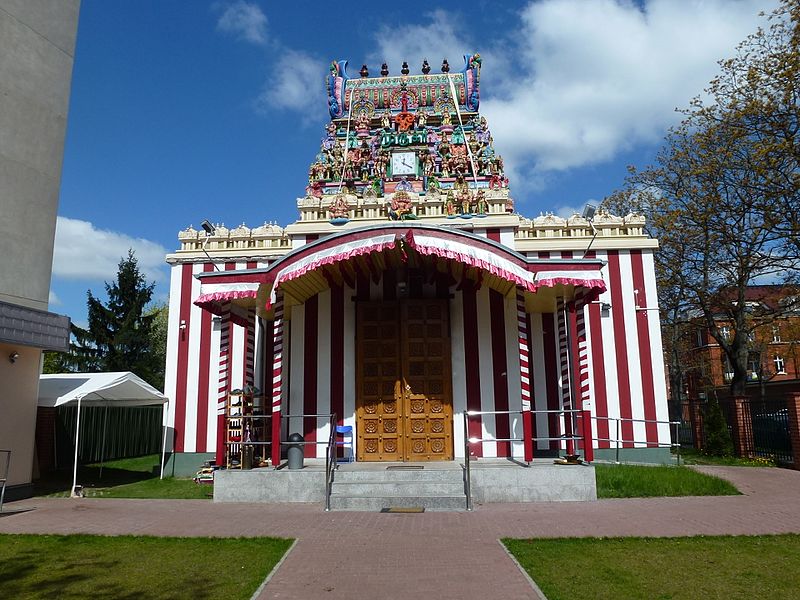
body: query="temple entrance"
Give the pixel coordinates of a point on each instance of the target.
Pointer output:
(404, 407)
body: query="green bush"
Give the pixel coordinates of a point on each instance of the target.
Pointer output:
(718, 438)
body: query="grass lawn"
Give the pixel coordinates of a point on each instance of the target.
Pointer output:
(633, 481)
(85, 566)
(725, 567)
(692, 456)
(123, 478)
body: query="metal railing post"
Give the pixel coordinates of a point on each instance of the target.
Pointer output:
(468, 489)
(617, 436)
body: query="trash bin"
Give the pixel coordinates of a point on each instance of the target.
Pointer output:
(295, 451)
(247, 457)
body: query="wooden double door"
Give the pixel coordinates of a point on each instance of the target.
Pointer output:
(404, 403)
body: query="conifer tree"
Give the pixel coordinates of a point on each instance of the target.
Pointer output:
(124, 334)
(120, 330)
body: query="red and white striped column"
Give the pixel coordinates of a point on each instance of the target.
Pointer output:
(524, 375)
(250, 349)
(223, 380)
(584, 403)
(564, 367)
(277, 378)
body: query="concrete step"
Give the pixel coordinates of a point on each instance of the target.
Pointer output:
(397, 488)
(376, 489)
(423, 475)
(433, 503)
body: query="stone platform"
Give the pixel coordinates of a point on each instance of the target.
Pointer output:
(431, 485)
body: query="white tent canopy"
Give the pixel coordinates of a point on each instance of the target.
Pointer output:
(98, 389)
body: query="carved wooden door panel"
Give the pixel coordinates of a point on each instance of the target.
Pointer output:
(425, 359)
(379, 424)
(403, 401)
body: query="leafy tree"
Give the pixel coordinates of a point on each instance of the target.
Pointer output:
(158, 339)
(723, 198)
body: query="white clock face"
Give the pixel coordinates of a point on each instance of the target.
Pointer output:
(404, 163)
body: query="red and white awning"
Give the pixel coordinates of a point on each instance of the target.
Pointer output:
(452, 245)
(589, 278)
(222, 292)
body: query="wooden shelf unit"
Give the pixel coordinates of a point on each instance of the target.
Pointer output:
(246, 430)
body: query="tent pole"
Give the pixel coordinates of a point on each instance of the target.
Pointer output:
(164, 415)
(75, 463)
(103, 449)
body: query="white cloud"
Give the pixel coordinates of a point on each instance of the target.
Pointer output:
(83, 252)
(245, 21)
(53, 299)
(299, 85)
(434, 40)
(577, 82)
(598, 77)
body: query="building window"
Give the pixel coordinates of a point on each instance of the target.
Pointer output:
(727, 370)
(753, 366)
(776, 333)
(780, 366)
(700, 338)
(725, 332)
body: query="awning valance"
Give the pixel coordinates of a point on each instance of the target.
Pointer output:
(448, 244)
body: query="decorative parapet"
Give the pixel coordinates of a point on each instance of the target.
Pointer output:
(605, 224)
(440, 202)
(267, 236)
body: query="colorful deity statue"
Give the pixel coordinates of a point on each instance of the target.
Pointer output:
(463, 194)
(428, 164)
(422, 118)
(362, 125)
(404, 185)
(450, 204)
(314, 189)
(381, 162)
(386, 119)
(400, 206)
(481, 206)
(373, 188)
(447, 123)
(339, 208)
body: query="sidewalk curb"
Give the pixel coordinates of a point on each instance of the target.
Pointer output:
(535, 587)
(277, 566)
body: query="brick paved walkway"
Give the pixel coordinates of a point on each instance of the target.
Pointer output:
(373, 555)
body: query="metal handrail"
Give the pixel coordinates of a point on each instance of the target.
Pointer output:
(473, 440)
(618, 440)
(468, 482)
(330, 461)
(4, 478)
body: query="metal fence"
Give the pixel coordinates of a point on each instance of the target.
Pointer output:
(764, 426)
(770, 429)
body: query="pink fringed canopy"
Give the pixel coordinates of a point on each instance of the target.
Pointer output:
(447, 244)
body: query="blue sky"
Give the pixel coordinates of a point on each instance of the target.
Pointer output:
(183, 111)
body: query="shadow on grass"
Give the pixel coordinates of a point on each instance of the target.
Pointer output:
(27, 575)
(89, 476)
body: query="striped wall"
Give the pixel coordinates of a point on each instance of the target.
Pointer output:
(624, 363)
(192, 378)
